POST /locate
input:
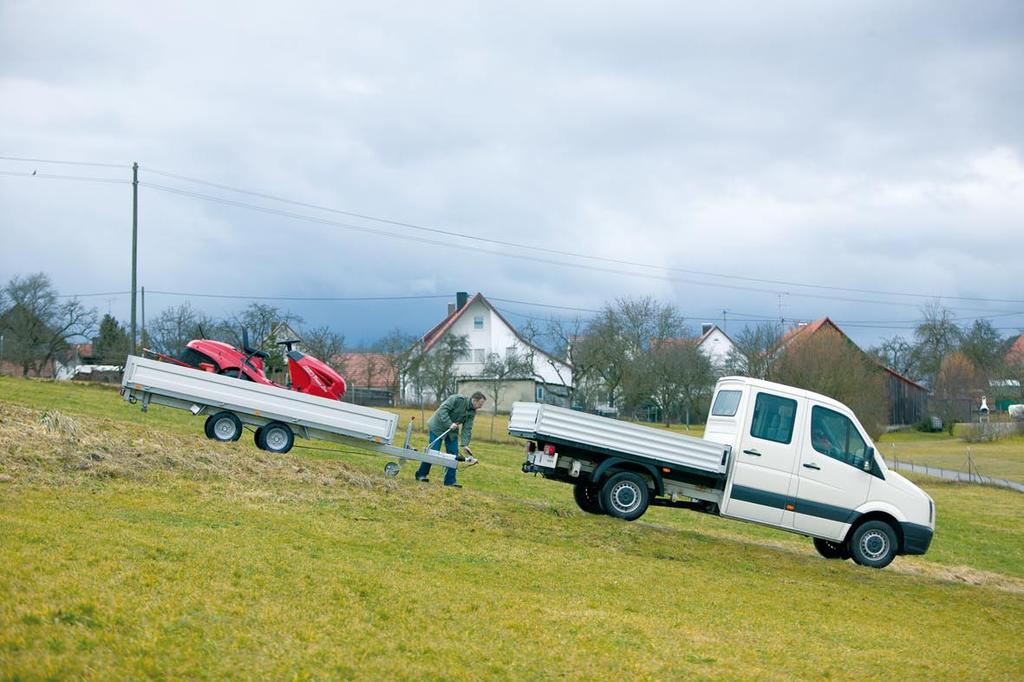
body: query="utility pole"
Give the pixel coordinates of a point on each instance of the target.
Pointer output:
(142, 335)
(135, 241)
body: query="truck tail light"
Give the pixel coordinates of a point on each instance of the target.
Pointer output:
(549, 449)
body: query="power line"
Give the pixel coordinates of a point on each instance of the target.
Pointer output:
(530, 258)
(320, 299)
(66, 163)
(52, 176)
(572, 254)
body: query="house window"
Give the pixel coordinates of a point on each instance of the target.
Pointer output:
(478, 322)
(478, 355)
(510, 351)
(540, 394)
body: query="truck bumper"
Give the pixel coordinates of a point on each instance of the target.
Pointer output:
(916, 538)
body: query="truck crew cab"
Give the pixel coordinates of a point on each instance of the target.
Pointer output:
(771, 454)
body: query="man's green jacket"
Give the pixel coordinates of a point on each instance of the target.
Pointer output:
(455, 409)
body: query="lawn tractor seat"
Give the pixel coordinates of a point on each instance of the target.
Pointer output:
(252, 352)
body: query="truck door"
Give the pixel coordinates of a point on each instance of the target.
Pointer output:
(762, 476)
(831, 477)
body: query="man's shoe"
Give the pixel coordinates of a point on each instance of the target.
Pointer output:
(424, 479)
(452, 485)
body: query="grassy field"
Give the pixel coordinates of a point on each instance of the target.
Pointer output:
(132, 547)
(998, 459)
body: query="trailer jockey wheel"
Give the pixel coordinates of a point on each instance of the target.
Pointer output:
(223, 426)
(625, 496)
(276, 437)
(391, 469)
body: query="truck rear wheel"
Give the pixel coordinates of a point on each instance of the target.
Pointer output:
(276, 437)
(831, 550)
(625, 496)
(873, 544)
(587, 498)
(223, 426)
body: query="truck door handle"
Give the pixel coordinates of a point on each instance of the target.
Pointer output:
(755, 453)
(812, 465)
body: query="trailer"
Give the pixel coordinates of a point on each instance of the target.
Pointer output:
(274, 414)
(771, 454)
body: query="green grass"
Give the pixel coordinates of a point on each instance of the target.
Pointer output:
(1002, 458)
(132, 547)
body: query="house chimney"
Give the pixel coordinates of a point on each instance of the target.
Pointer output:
(705, 328)
(451, 309)
(460, 300)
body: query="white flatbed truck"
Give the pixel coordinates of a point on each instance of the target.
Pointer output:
(771, 454)
(276, 415)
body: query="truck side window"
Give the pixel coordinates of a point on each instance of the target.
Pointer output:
(773, 418)
(835, 436)
(726, 404)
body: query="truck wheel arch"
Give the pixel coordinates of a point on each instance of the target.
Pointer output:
(889, 519)
(614, 465)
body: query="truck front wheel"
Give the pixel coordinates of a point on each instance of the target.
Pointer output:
(587, 498)
(873, 544)
(625, 496)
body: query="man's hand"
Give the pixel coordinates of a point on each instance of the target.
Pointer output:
(466, 449)
(455, 425)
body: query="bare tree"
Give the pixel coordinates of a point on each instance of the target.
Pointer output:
(830, 364)
(937, 336)
(756, 350)
(499, 371)
(437, 368)
(176, 326)
(400, 351)
(568, 339)
(37, 326)
(326, 345)
(897, 353)
(259, 321)
(955, 385)
(682, 380)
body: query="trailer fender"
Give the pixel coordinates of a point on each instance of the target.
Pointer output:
(620, 464)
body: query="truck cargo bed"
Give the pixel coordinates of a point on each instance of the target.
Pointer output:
(612, 437)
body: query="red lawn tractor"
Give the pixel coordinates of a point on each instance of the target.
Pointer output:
(306, 374)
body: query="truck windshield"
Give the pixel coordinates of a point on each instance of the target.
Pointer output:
(726, 404)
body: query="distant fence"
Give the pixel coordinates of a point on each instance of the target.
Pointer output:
(970, 476)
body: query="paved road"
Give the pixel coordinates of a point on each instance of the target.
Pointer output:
(953, 475)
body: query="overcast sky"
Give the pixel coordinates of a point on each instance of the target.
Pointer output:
(718, 156)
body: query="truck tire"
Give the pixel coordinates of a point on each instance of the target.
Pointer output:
(223, 426)
(276, 437)
(625, 496)
(831, 550)
(873, 544)
(587, 498)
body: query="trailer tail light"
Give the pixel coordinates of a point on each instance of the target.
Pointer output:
(549, 449)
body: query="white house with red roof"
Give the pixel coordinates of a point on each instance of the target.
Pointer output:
(489, 333)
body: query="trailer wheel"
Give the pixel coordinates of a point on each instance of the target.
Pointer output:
(588, 498)
(625, 496)
(223, 426)
(873, 544)
(256, 437)
(831, 550)
(391, 469)
(276, 437)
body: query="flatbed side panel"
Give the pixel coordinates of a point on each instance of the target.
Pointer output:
(142, 375)
(614, 436)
